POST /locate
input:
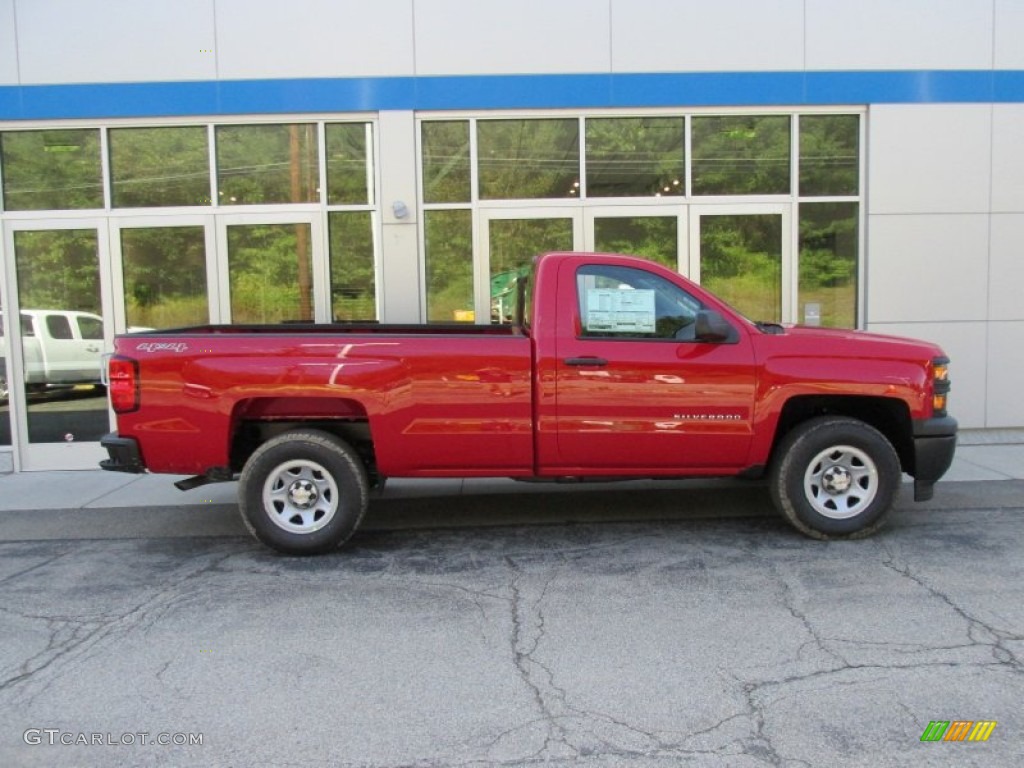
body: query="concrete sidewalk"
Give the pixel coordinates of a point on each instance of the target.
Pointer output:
(982, 456)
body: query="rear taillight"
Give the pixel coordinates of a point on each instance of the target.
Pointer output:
(123, 386)
(940, 385)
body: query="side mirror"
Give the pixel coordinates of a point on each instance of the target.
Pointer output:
(712, 327)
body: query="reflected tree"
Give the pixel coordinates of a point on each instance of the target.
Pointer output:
(51, 170)
(153, 167)
(829, 154)
(636, 156)
(264, 274)
(828, 261)
(164, 276)
(741, 155)
(58, 269)
(353, 270)
(653, 237)
(449, 265)
(741, 261)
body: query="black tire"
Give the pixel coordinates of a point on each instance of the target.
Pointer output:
(835, 478)
(303, 492)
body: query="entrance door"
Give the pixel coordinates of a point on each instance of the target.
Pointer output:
(62, 322)
(510, 238)
(272, 269)
(743, 254)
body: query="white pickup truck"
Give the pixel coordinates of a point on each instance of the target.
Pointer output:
(61, 348)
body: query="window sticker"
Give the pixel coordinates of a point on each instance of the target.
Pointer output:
(620, 310)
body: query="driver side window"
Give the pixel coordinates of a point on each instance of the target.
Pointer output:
(629, 303)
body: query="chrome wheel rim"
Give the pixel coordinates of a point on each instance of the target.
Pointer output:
(300, 496)
(841, 482)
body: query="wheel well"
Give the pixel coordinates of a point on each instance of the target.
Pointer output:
(256, 421)
(889, 416)
(251, 434)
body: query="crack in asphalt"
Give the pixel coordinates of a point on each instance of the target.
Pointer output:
(979, 633)
(18, 574)
(760, 744)
(566, 725)
(72, 638)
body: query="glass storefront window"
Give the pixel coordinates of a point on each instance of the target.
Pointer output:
(348, 173)
(741, 155)
(164, 276)
(58, 269)
(653, 237)
(270, 269)
(446, 163)
(828, 264)
(636, 156)
(513, 244)
(449, 265)
(741, 262)
(51, 170)
(261, 164)
(151, 167)
(829, 154)
(353, 267)
(528, 159)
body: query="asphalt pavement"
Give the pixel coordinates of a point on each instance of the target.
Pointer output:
(486, 623)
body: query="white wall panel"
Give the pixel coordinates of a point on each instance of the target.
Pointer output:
(69, 41)
(457, 37)
(1009, 31)
(899, 34)
(1008, 156)
(927, 268)
(314, 38)
(965, 343)
(698, 36)
(1006, 279)
(400, 272)
(8, 44)
(1005, 375)
(929, 158)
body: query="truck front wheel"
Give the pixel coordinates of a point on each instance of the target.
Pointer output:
(835, 478)
(303, 492)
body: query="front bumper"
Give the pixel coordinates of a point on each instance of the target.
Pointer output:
(934, 446)
(124, 454)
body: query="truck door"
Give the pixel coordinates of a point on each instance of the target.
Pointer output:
(635, 388)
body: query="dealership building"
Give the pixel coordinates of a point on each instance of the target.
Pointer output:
(178, 162)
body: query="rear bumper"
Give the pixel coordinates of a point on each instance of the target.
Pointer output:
(124, 454)
(934, 446)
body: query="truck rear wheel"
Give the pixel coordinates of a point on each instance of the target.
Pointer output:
(835, 478)
(303, 492)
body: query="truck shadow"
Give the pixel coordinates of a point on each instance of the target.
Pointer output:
(552, 505)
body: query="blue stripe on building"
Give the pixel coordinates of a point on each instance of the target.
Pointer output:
(475, 92)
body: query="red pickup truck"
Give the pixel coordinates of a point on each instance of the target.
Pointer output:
(615, 367)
